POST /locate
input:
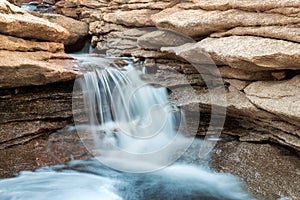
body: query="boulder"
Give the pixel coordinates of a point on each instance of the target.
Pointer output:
(34, 68)
(162, 38)
(200, 22)
(247, 5)
(269, 171)
(78, 30)
(277, 32)
(18, 44)
(132, 18)
(281, 98)
(16, 22)
(247, 53)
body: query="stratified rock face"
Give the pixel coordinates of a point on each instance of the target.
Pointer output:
(247, 53)
(281, 98)
(34, 68)
(17, 22)
(276, 32)
(11, 43)
(202, 22)
(25, 61)
(250, 5)
(36, 80)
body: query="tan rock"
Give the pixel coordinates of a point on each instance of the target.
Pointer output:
(229, 72)
(78, 30)
(133, 18)
(248, 5)
(277, 32)
(281, 97)
(199, 22)
(146, 5)
(243, 52)
(17, 22)
(17, 44)
(270, 172)
(162, 38)
(34, 68)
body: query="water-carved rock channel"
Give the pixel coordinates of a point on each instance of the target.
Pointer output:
(167, 100)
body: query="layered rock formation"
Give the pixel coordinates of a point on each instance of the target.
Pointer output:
(254, 44)
(36, 81)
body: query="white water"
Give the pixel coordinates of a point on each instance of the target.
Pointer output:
(133, 129)
(132, 125)
(89, 180)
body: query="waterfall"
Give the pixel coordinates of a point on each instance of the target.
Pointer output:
(132, 124)
(128, 125)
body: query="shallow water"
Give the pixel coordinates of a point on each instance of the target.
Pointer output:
(90, 180)
(135, 130)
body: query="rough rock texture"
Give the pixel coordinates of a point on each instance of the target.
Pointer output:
(202, 22)
(11, 43)
(34, 68)
(269, 172)
(13, 17)
(247, 52)
(36, 82)
(281, 98)
(162, 38)
(255, 46)
(276, 32)
(78, 30)
(249, 5)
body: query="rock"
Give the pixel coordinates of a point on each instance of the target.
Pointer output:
(269, 172)
(162, 38)
(78, 30)
(57, 148)
(244, 52)
(195, 23)
(27, 128)
(18, 44)
(277, 32)
(239, 74)
(247, 5)
(16, 22)
(34, 68)
(244, 118)
(133, 18)
(281, 98)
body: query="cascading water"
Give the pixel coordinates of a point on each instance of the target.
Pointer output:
(129, 126)
(132, 124)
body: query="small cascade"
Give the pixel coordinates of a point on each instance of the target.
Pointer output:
(133, 126)
(129, 126)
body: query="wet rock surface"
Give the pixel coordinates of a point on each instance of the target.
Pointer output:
(270, 172)
(254, 44)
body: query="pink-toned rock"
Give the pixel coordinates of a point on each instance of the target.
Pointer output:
(133, 18)
(277, 32)
(34, 68)
(16, 22)
(199, 22)
(18, 44)
(247, 53)
(248, 5)
(281, 97)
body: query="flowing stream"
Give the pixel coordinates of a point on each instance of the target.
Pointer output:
(139, 147)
